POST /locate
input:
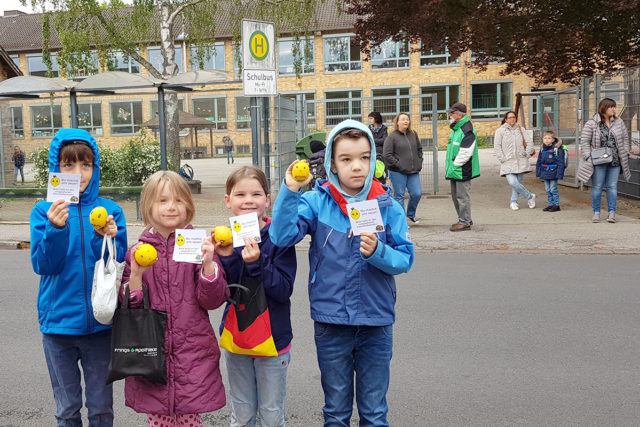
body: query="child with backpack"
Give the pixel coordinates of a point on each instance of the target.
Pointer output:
(550, 168)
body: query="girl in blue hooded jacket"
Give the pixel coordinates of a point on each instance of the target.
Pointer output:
(64, 249)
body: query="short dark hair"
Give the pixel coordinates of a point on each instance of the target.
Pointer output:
(75, 151)
(352, 134)
(377, 117)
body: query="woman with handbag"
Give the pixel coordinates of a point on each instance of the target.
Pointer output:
(604, 143)
(186, 292)
(513, 150)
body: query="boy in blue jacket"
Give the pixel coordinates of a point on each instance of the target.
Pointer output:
(550, 168)
(64, 249)
(351, 285)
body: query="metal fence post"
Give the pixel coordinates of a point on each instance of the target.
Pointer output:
(434, 132)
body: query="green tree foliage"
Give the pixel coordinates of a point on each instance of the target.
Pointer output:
(544, 39)
(111, 26)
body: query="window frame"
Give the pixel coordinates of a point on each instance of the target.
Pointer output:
(53, 129)
(132, 124)
(397, 58)
(350, 100)
(93, 128)
(152, 101)
(325, 64)
(126, 60)
(80, 77)
(218, 48)
(446, 55)
(244, 124)
(55, 67)
(499, 109)
(448, 101)
(310, 41)
(179, 62)
(14, 130)
(398, 97)
(16, 59)
(224, 120)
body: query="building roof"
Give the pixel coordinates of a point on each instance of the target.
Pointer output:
(23, 32)
(7, 64)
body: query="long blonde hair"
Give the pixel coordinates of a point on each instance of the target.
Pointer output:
(152, 188)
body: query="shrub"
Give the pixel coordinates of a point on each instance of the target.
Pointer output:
(129, 165)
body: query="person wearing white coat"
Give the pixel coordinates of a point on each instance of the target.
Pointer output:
(513, 149)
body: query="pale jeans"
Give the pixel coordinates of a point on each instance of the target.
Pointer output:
(515, 181)
(257, 387)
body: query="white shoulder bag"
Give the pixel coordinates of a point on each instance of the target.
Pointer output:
(107, 277)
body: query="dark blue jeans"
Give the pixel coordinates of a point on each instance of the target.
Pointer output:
(229, 156)
(63, 352)
(343, 351)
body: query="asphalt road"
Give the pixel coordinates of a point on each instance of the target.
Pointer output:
(481, 340)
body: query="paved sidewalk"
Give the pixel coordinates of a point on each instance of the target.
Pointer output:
(496, 227)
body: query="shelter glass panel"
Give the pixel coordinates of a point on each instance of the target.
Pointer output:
(213, 109)
(17, 122)
(126, 117)
(90, 118)
(389, 102)
(288, 52)
(341, 54)
(213, 62)
(390, 55)
(342, 105)
(46, 120)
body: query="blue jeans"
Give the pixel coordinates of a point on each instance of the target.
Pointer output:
(515, 181)
(257, 387)
(229, 156)
(18, 170)
(343, 350)
(411, 182)
(62, 353)
(551, 187)
(605, 176)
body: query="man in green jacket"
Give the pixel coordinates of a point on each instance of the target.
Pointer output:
(462, 164)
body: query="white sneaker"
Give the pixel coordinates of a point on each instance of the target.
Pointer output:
(514, 206)
(612, 217)
(532, 201)
(596, 217)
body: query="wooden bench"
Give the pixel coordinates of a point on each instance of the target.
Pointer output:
(193, 152)
(116, 193)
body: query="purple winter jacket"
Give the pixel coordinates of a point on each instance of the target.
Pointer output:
(194, 383)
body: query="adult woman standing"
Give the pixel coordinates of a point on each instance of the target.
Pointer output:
(513, 150)
(402, 154)
(378, 130)
(604, 129)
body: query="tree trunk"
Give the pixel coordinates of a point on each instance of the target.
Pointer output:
(170, 69)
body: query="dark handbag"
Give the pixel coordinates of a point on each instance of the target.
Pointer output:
(247, 327)
(601, 155)
(137, 342)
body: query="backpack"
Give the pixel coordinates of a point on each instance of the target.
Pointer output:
(186, 172)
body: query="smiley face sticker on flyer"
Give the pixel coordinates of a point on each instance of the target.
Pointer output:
(242, 226)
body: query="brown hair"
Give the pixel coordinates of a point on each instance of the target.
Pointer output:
(396, 118)
(548, 132)
(152, 188)
(604, 105)
(504, 119)
(247, 172)
(75, 152)
(352, 134)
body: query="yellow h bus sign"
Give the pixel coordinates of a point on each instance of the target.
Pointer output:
(259, 45)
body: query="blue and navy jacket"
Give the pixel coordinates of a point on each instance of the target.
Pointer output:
(345, 288)
(551, 162)
(279, 266)
(65, 257)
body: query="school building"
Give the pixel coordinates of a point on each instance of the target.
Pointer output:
(335, 80)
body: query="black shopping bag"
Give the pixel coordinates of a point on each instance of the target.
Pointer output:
(137, 342)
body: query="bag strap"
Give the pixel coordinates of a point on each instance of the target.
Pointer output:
(241, 287)
(524, 141)
(127, 295)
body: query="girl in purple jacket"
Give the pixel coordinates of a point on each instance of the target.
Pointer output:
(185, 291)
(258, 384)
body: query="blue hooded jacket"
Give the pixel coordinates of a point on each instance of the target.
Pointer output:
(345, 288)
(65, 257)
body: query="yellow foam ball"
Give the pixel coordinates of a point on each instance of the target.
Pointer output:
(300, 171)
(98, 217)
(223, 235)
(146, 255)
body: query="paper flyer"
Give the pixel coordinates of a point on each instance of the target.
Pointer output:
(188, 247)
(63, 186)
(365, 216)
(242, 226)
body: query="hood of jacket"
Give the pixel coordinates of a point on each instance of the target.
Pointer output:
(64, 136)
(332, 177)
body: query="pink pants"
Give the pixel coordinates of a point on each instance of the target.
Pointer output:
(190, 420)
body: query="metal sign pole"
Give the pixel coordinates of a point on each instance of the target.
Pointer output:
(266, 121)
(73, 106)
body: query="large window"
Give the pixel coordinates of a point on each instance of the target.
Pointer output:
(46, 120)
(118, 61)
(390, 55)
(435, 58)
(213, 109)
(243, 113)
(126, 117)
(154, 56)
(342, 105)
(37, 67)
(87, 66)
(154, 106)
(390, 102)
(289, 51)
(17, 122)
(490, 100)
(341, 53)
(447, 96)
(90, 118)
(213, 62)
(307, 98)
